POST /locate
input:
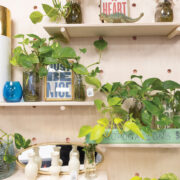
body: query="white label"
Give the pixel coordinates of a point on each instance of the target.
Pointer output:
(90, 92)
(62, 89)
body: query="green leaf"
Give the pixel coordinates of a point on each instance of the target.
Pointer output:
(19, 140)
(104, 122)
(44, 50)
(134, 128)
(177, 95)
(146, 118)
(19, 36)
(33, 58)
(43, 71)
(13, 61)
(99, 103)
(25, 61)
(107, 87)
(118, 121)
(100, 44)
(97, 132)
(9, 158)
(27, 143)
(66, 52)
(50, 11)
(93, 81)
(176, 121)
(116, 86)
(80, 69)
(50, 60)
(114, 101)
(36, 17)
(135, 76)
(84, 50)
(172, 85)
(152, 108)
(85, 130)
(34, 36)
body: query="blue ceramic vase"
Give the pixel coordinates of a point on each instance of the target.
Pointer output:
(12, 91)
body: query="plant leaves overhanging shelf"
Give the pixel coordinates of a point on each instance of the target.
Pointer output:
(67, 31)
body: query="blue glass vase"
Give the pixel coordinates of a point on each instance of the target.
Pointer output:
(12, 91)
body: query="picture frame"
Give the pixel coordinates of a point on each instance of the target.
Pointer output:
(115, 6)
(59, 83)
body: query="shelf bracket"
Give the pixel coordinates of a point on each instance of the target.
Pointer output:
(65, 34)
(174, 33)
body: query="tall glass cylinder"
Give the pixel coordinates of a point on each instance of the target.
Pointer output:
(31, 87)
(5, 48)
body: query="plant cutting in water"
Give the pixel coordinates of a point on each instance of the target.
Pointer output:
(55, 12)
(6, 140)
(145, 106)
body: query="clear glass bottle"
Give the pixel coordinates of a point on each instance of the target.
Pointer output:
(79, 88)
(164, 11)
(74, 13)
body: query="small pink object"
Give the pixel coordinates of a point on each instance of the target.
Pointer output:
(169, 70)
(134, 38)
(137, 174)
(35, 7)
(135, 71)
(68, 140)
(34, 140)
(133, 4)
(101, 71)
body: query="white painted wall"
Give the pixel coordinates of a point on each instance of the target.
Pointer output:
(151, 56)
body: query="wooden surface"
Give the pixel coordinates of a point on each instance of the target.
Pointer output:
(115, 29)
(60, 103)
(19, 175)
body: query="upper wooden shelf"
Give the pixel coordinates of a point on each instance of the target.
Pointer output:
(68, 31)
(62, 103)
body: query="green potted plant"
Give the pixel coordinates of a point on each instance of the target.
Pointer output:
(147, 116)
(7, 154)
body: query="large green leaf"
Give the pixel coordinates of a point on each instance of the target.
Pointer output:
(85, 130)
(152, 108)
(100, 44)
(134, 128)
(146, 118)
(36, 17)
(25, 61)
(50, 11)
(93, 81)
(99, 103)
(66, 52)
(33, 58)
(19, 36)
(114, 101)
(172, 85)
(107, 87)
(44, 50)
(118, 120)
(19, 140)
(152, 83)
(177, 95)
(103, 121)
(176, 121)
(97, 132)
(80, 69)
(135, 76)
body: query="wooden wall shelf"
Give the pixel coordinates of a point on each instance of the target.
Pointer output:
(35, 104)
(139, 145)
(68, 31)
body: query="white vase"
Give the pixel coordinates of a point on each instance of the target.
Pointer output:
(55, 169)
(31, 169)
(37, 158)
(74, 163)
(58, 149)
(5, 48)
(74, 149)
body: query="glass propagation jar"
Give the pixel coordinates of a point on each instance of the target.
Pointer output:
(164, 11)
(74, 13)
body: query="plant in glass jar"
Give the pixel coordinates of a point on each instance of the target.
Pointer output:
(7, 154)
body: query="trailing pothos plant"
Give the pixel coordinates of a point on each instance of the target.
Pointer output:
(153, 104)
(55, 12)
(35, 54)
(7, 140)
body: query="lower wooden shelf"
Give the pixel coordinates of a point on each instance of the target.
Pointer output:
(19, 175)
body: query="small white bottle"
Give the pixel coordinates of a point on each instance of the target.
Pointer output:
(74, 149)
(58, 149)
(31, 169)
(74, 164)
(55, 169)
(38, 160)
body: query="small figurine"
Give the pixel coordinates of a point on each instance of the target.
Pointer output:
(119, 18)
(37, 158)
(58, 149)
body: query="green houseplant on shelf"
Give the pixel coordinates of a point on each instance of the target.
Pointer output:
(7, 154)
(150, 109)
(34, 55)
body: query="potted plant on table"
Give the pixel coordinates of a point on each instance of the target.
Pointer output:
(7, 154)
(140, 108)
